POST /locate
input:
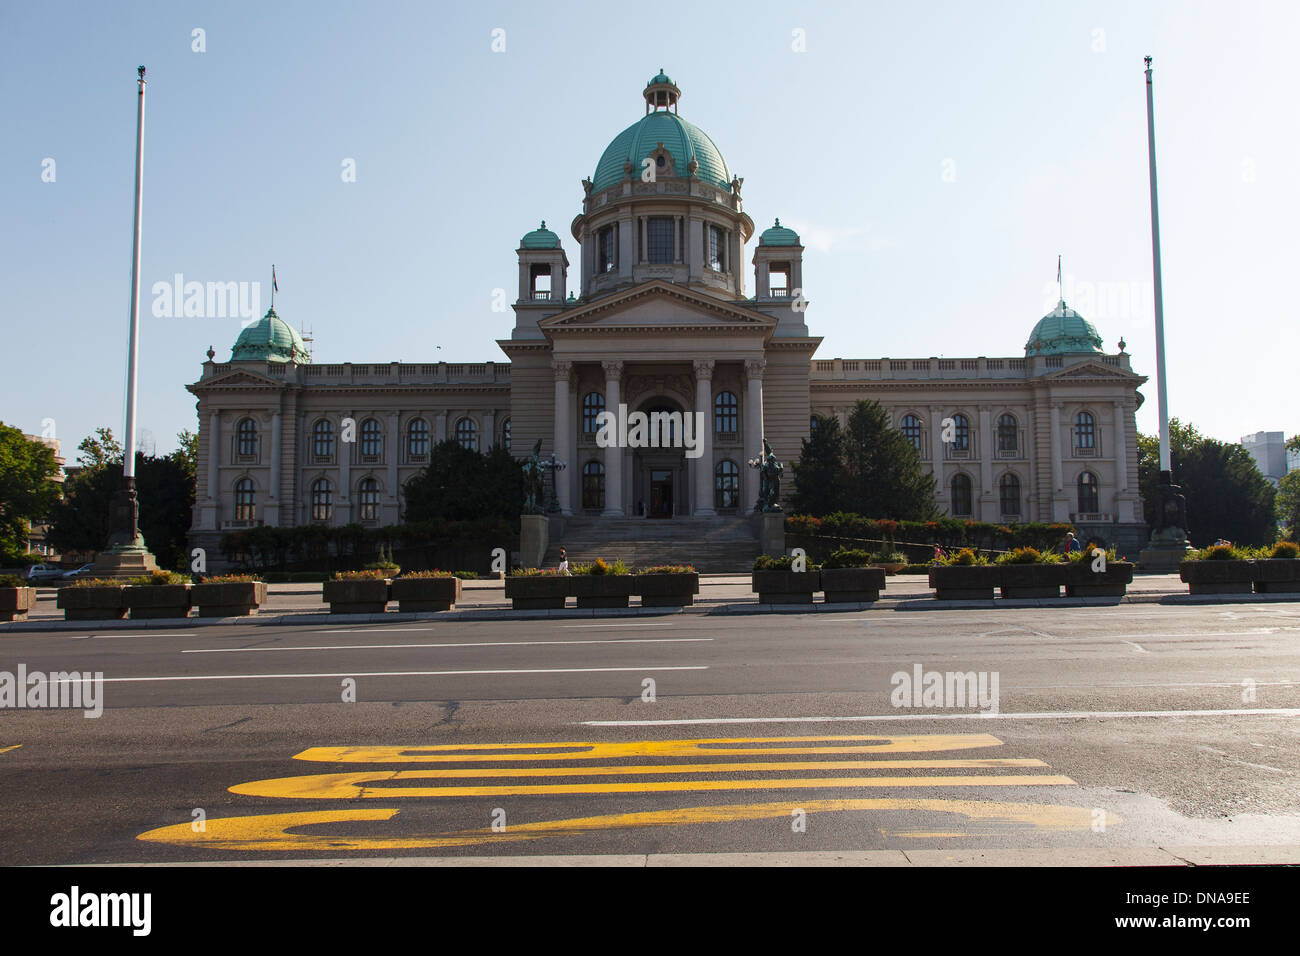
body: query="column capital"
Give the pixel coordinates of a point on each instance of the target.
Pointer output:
(613, 369)
(704, 369)
(754, 368)
(563, 368)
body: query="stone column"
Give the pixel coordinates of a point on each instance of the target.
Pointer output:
(563, 369)
(936, 454)
(214, 455)
(343, 493)
(393, 454)
(613, 453)
(704, 464)
(753, 431)
(1060, 505)
(1121, 449)
(988, 503)
(489, 431)
(274, 490)
(439, 427)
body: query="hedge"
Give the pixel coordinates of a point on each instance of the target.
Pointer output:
(820, 536)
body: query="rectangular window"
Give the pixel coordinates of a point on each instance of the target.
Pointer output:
(659, 237)
(717, 250)
(606, 250)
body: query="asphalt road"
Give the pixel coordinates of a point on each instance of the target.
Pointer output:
(1116, 728)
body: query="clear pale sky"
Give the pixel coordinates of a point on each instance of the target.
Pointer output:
(1035, 110)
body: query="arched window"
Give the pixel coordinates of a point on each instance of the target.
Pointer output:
(960, 432)
(911, 429)
(593, 403)
(372, 442)
(246, 438)
(726, 485)
(961, 495)
(726, 416)
(322, 440)
(1008, 435)
(369, 489)
(1009, 492)
(1085, 433)
(1088, 496)
(245, 508)
(417, 438)
(593, 485)
(505, 434)
(467, 434)
(322, 500)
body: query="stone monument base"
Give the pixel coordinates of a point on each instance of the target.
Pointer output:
(128, 561)
(534, 539)
(771, 533)
(1163, 557)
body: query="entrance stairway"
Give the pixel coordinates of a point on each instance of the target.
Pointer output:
(723, 544)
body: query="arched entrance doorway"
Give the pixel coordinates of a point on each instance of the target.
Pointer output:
(659, 474)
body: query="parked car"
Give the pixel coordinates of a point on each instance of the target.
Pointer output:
(43, 573)
(85, 571)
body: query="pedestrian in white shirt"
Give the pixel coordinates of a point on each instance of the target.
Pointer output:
(564, 564)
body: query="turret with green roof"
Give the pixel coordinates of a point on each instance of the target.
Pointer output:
(270, 339)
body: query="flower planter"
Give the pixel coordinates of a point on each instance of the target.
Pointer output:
(1082, 581)
(891, 568)
(105, 603)
(153, 601)
(1031, 580)
(668, 590)
(786, 587)
(359, 596)
(1277, 576)
(426, 594)
(1218, 577)
(964, 582)
(602, 590)
(537, 592)
(16, 602)
(852, 585)
(233, 599)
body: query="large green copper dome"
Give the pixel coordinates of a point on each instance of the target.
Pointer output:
(684, 140)
(1062, 330)
(270, 339)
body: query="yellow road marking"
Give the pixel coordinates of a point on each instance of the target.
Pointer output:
(5, 750)
(350, 786)
(479, 753)
(270, 832)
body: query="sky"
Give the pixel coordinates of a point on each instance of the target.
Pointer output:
(936, 158)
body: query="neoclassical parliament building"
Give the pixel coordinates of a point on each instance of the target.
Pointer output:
(661, 319)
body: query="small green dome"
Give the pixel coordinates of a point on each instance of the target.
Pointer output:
(778, 235)
(660, 77)
(1062, 330)
(541, 238)
(270, 339)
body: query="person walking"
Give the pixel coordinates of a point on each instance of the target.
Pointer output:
(1071, 545)
(563, 567)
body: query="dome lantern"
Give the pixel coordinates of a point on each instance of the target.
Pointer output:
(661, 93)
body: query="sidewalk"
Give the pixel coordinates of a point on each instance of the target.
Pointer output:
(295, 604)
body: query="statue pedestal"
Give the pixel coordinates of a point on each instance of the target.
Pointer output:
(771, 533)
(1161, 556)
(534, 538)
(125, 561)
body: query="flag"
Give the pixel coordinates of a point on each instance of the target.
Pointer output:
(1058, 269)
(274, 286)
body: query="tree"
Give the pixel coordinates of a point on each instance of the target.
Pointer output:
(1227, 497)
(27, 488)
(883, 477)
(165, 485)
(819, 472)
(461, 484)
(187, 450)
(1288, 503)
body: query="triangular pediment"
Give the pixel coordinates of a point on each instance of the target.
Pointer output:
(238, 378)
(1092, 370)
(658, 305)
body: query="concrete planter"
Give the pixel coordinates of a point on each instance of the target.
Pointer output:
(964, 582)
(1031, 580)
(426, 594)
(1082, 581)
(106, 603)
(361, 596)
(602, 590)
(16, 602)
(852, 585)
(153, 601)
(1277, 576)
(786, 587)
(668, 590)
(1218, 577)
(537, 592)
(233, 599)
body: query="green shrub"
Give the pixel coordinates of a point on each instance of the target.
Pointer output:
(1221, 552)
(889, 557)
(964, 557)
(231, 579)
(466, 575)
(431, 574)
(158, 579)
(1028, 556)
(915, 569)
(370, 574)
(97, 583)
(1089, 555)
(12, 581)
(848, 558)
(532, 572)
(669, 569)
(1285, 550)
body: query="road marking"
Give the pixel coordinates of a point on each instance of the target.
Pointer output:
(708, 747)
(270, 832)
(580, 626)
(5, 750)
(146, 633)
(1137, 647)
(541, 670)
(369, 647)
(1040, 715)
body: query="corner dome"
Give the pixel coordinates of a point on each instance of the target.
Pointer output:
(778, 235)
(540, 238)
(685, 141)
(1062, 331)
(270, 339)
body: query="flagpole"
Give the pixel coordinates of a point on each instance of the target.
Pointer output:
(1162, 398)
